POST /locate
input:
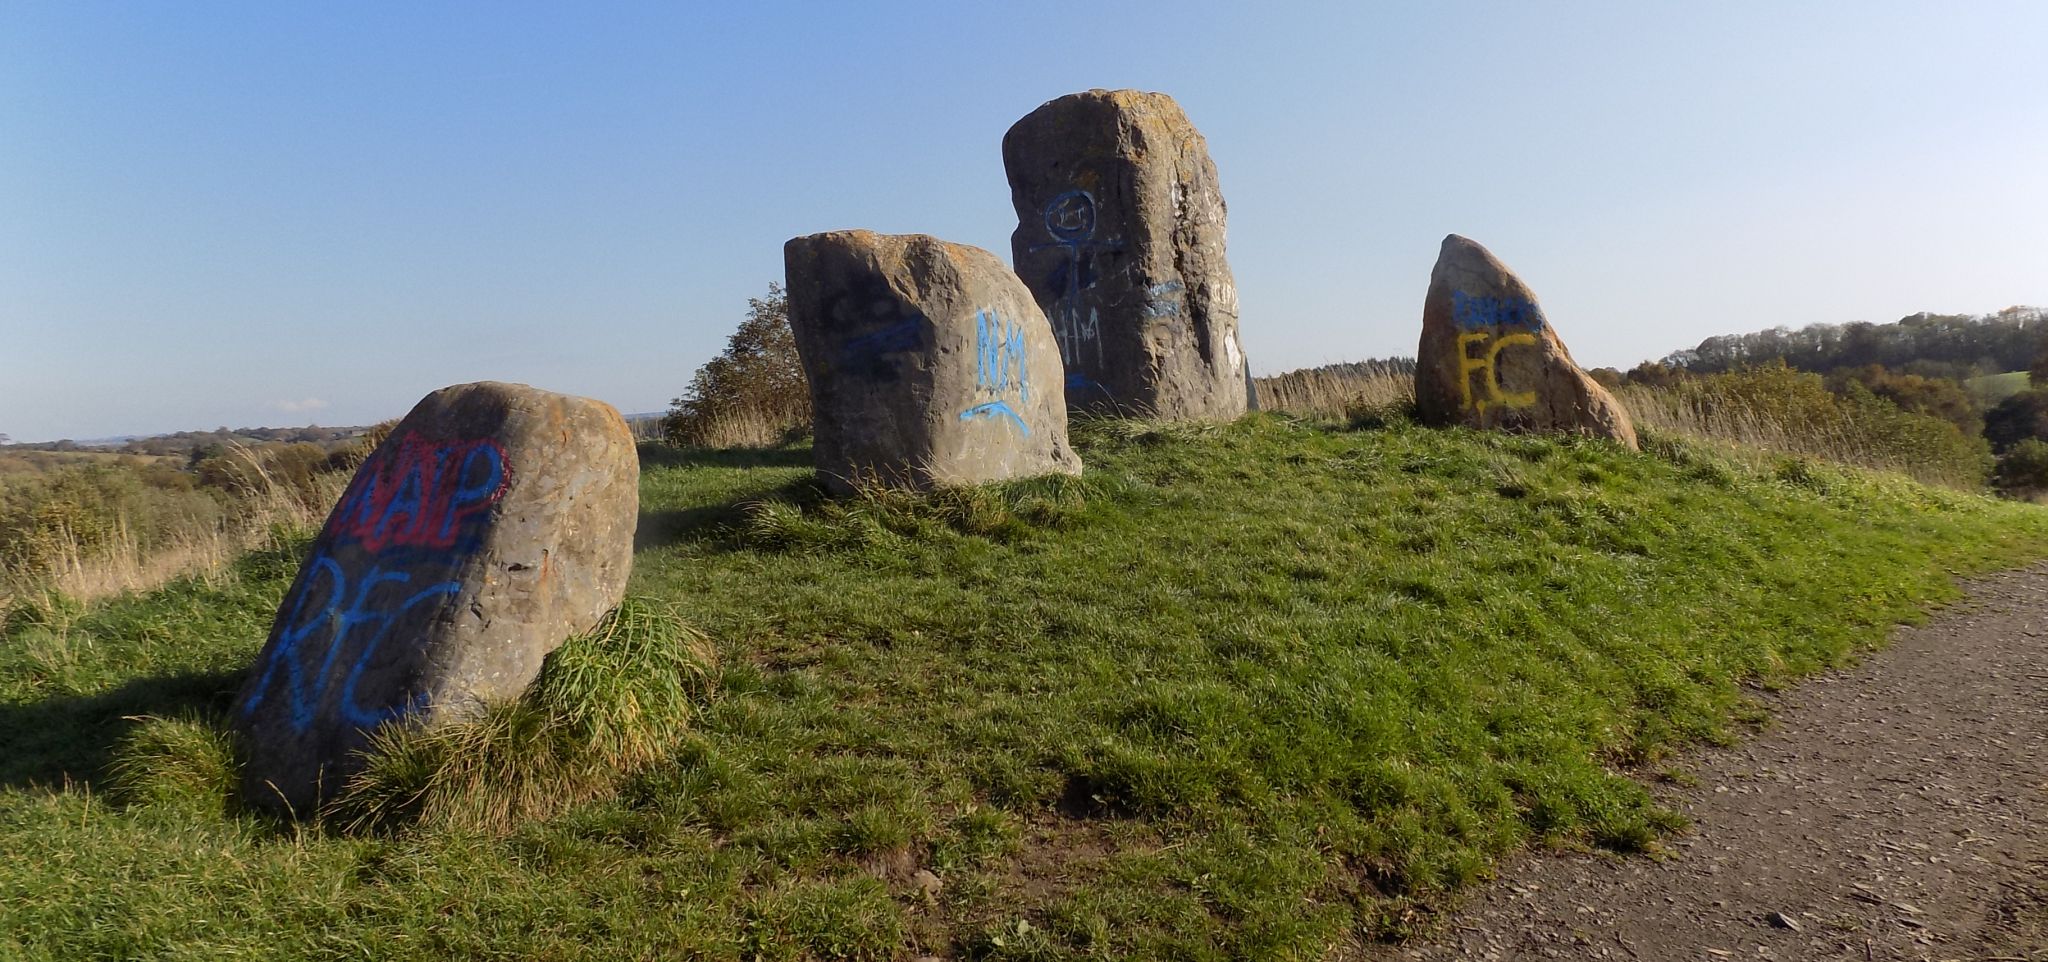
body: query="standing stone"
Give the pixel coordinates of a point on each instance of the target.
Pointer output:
(1490, 359)
(494, 522)
(1120, 235)
(929, 363)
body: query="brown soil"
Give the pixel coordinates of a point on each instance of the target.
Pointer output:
(1894, 810)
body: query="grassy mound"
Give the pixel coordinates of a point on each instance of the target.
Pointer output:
(1241, 691)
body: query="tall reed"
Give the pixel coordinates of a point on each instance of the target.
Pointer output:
(1340, 390)
(1762, 412)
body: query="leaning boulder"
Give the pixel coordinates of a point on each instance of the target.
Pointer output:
(929, 363)
(1120, 235)
(1490, 359)
(493, 523)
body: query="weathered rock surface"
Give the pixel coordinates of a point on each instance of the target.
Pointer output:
(494, 522)
(1120, 228)
(1490, 359)
(929, 363)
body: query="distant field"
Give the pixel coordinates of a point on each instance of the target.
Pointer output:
(1265, 690)
(1993, 388)
(43, 462)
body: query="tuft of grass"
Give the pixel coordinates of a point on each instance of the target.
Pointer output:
(607, 704)
(187, 762)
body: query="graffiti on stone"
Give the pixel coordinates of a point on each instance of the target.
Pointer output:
(391, 554)
(1488, 326)
(1070, 220)
(1002, 372)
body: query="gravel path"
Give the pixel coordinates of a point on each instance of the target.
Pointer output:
(1894, 810)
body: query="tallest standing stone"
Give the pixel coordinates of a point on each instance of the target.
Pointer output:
(1120, 238)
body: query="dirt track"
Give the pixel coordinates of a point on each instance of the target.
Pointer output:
(1894, 810)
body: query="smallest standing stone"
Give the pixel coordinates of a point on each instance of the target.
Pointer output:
(1490, 359)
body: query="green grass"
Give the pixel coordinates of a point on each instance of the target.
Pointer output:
(1993, 388)
(1250, 691)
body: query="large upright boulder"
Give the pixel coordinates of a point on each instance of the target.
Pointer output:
(1490, 359)
(1120, 236)
(494, 522)
(929, 363)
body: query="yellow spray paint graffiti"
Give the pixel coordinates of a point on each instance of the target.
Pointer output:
(1492, 324)
(1486, 364)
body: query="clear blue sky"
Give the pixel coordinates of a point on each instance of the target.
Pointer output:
(269, 214)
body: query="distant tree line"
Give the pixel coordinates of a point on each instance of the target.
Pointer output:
(1923, 364)
(1954, 346)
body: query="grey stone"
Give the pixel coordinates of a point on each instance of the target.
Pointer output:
(495, 522)
(1120, 228)
(1489, 358)
(929, 363)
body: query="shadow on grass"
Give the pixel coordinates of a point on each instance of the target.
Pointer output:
(715, 524)
(654, 455)
(72, 738)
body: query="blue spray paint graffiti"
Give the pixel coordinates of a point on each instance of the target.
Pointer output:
(1474, 312)
(900, 336)
(1001, 361)
(997, 409)
(411, 517)
(1079, 384)
(1163, 300)
(1001, 368)
(1070, 222)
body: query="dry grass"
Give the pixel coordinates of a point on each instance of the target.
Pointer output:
(1666, 410)
(123, 563)
(1755, 427)
(1754, 416)
(1340, 391)
(747, 426)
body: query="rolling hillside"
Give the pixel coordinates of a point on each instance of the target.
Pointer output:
(1254, 690)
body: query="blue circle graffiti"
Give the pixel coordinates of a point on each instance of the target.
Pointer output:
(1070, 217)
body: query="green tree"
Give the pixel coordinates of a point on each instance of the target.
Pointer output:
(2037, 372)
(752, 395)
(2017, 418)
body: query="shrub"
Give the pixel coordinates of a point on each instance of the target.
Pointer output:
(1939, 397)
(2017, 418)
(2023, 469)
(81, 514)
(271, 470)
(754, 394)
